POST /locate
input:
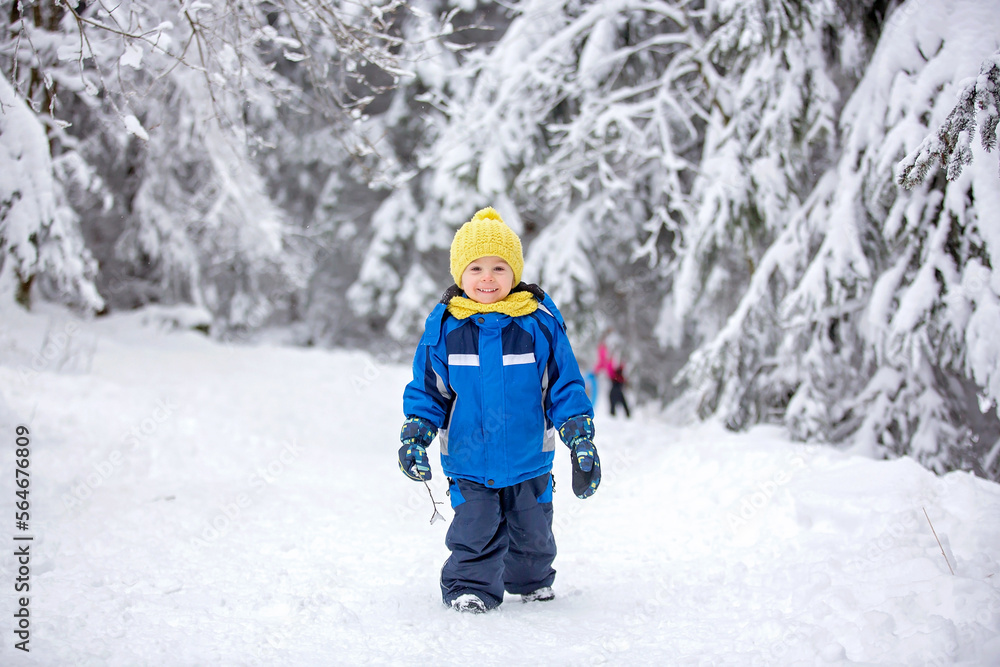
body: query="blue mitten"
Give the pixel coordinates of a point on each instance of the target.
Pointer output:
(586, 469)
(578, 434)
(416, 435)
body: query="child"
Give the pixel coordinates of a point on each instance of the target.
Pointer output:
(494, 377)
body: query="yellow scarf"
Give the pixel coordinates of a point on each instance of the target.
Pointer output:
(515, 305)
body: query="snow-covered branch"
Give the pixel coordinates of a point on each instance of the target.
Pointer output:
(978, 109)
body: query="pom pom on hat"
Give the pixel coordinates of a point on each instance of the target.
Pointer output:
(486, 235)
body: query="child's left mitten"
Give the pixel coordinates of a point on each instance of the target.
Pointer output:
(586, 469)
(578, 434)
(416, 435)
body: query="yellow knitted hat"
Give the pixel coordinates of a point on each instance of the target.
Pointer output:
(486, 235)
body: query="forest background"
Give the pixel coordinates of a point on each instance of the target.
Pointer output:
(781, 207)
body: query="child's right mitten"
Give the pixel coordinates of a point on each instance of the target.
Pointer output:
(416, 435)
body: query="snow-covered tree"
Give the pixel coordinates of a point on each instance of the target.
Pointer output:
(781, 70)
(869, 309)
(770, 135)
(156, 116)
(39, 234)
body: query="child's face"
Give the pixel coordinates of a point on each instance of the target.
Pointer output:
(487, 280)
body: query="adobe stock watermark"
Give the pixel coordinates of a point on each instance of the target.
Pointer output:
(777, 651)
(61, 349)
(903, 11)
(657, 606)
(750, 504)
(974, 632)
(301, 612)
(899, 531)
(614, 464)
(374, 366)
(230, 512)
(140, 432)
(418, 502)
(255, 318)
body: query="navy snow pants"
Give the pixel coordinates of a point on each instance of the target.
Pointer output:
(500, 539)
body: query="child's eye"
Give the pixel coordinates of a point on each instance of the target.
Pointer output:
(499, 268)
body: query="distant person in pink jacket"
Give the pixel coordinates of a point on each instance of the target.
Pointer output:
(604, 363)
(617, 396)
(615, 370)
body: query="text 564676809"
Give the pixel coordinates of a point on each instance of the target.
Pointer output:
(22, 540)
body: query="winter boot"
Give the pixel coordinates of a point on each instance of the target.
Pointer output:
(470, 603)
(543, 594)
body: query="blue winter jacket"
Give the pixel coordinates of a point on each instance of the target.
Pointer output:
(497, 388)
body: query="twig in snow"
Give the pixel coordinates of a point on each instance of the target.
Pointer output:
(437, 516)
(936, 538)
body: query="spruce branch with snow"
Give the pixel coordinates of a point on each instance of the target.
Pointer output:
(978, 109)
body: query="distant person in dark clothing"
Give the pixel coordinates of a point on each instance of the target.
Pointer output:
(617, 394)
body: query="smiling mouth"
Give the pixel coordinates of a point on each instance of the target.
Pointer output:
(488, 290)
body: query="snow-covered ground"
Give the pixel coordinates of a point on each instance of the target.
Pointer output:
(201, 504)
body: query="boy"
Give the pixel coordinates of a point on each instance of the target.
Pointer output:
(494, 377)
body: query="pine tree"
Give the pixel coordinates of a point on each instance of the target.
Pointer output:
(868, 308)
(39, 234)
(156, 126)
(770, 135)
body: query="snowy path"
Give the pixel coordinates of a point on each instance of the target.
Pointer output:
(195, 504)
